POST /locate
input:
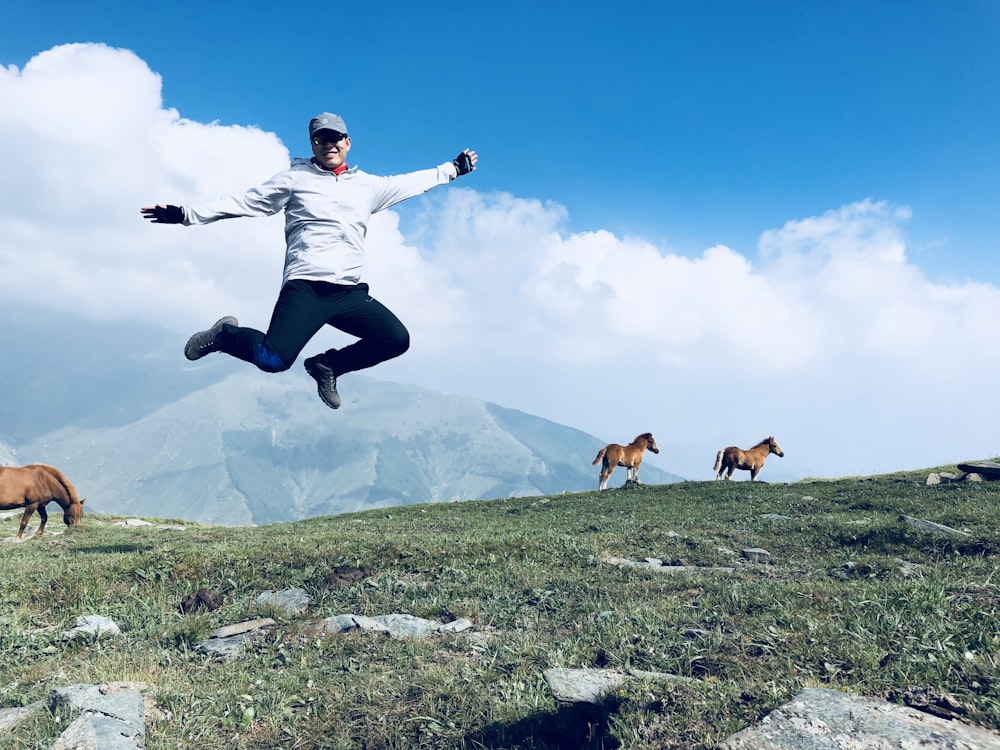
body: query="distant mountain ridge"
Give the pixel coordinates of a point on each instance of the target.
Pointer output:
(140, 431)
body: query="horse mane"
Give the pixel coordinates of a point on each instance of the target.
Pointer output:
(764, 441)
(62, 480)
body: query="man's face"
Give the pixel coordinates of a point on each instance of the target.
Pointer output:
(330, 148)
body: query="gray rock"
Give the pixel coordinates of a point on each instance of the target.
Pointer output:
(820, 719)
(583, 685)
(11, 717)
(934, 528)
(106, 719)
(651, 563)
(407, 626)
(456, 626)
(596, 685)
(941, 477)
(292, 601)
(227, 642)
(756, 554)
(400, 626)
(336, 624)
(988, 470)
(91, 732)
(93, 625)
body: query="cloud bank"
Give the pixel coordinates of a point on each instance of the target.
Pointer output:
(826, 335)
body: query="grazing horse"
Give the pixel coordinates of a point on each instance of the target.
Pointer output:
(32, 488)
(752, 460)
(629, 456)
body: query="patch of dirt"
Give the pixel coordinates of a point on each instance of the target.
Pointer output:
(346, 575)
(201, 600)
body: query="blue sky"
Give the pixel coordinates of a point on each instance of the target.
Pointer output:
(689, 123)
(710, 220)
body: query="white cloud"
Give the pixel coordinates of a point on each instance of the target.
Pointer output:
(85, 144)
(828, 337)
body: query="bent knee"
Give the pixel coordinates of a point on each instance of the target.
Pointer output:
(398, 343)
(267, 359)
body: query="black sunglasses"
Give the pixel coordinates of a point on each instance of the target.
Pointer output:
(327, 136)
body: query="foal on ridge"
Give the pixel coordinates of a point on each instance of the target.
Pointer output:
(613, 455)
(732, 458)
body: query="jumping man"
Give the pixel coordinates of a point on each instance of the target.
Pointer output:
(327, 207)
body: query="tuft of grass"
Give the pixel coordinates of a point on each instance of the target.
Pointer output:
(853, 598)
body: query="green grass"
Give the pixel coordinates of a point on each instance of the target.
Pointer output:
(853, 598)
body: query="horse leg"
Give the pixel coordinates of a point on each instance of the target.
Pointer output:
(45, 519)
(28, 510)
(754, 471)
(605, 476)
(732, 470)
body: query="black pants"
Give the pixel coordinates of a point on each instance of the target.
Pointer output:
(303, 307)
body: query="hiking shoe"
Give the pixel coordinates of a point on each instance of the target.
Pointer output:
(326, 381)
(206, 342)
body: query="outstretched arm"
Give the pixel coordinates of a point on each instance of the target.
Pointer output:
(160, 214)
(391, 190)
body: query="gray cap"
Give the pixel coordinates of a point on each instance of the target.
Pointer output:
(327, 121)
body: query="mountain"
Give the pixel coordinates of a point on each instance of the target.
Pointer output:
(60, 369)
(141, 431)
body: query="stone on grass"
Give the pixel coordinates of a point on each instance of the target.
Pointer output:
(227, 642)
(657, 566)
(92, 625)
(399, 626)
(821, 719)
(597, 685)
(934, 528)
(105, 718)
(756, 554)
(291, 601)
(583, 685)
(11, 717)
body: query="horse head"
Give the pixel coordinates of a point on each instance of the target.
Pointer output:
(650, 442)
(73, 513)
(772, 444)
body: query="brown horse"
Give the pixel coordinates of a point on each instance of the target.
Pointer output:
(32, 488)
(629, 456)
(752, 460)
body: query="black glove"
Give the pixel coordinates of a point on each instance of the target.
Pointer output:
(164, 214)
(463, 163)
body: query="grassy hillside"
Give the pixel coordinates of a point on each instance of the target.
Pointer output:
(853, 598)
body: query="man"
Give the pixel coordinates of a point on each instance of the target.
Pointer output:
(327, 207)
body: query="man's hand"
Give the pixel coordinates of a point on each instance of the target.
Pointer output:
(465, 162)
(164, 214)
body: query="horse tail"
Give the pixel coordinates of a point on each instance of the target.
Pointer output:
(600, 455)
(63, 482)
(718, 461)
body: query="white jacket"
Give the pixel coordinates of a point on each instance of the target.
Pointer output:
(326, 215)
